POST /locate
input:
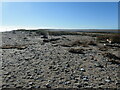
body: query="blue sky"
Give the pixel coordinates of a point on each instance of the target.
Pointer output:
(80, 15)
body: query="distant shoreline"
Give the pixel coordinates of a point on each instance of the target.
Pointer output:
(74, 30)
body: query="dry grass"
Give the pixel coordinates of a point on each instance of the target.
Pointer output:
(74, 43)
(115, 38)
(83, 43)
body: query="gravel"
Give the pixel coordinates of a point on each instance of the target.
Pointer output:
(51, 65)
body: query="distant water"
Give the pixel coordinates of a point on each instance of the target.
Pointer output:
(2, 29)
(87, 30)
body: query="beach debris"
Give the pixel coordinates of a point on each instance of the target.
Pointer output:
(76, 50)
(20, 47)
(109, 41)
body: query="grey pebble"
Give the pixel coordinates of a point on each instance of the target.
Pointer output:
(82, 69)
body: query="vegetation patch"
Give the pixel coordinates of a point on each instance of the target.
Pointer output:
(114, 38)
(111, 56)
(59, 33)
(75, 43)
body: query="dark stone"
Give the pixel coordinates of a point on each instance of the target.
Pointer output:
(50, 67)
(37, 86)
(79, 86)
(48, 86)
(46, 40)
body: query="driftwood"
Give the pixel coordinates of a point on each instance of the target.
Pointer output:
(13, 47)
(76, 50)
(16, 46)
(54, 39)
(50, 40)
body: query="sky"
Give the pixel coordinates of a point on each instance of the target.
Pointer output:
(77, 15)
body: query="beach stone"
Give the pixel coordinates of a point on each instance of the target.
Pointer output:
(9, 76)
(107, 80)
(82, 69)
(31, 77)
(5, 85)
(2, 67)
(79, 86)
(85, 78)
(67, 65)
(48, 85)
(37, 86)
(67, 82)
(6, 73)
(51, 65)
(85, 84)
(61, 82)
(101, 83)
(19, 86)
(76, 80)
(30, 83)
(98, 65)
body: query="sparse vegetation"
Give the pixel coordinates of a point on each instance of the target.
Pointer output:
(55, 33)
(58, 33)
(102, 37)
(72, 43)
(42, 31)
(76, 43)
(115, 38)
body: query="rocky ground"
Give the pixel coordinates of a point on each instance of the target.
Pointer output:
(67, 61)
